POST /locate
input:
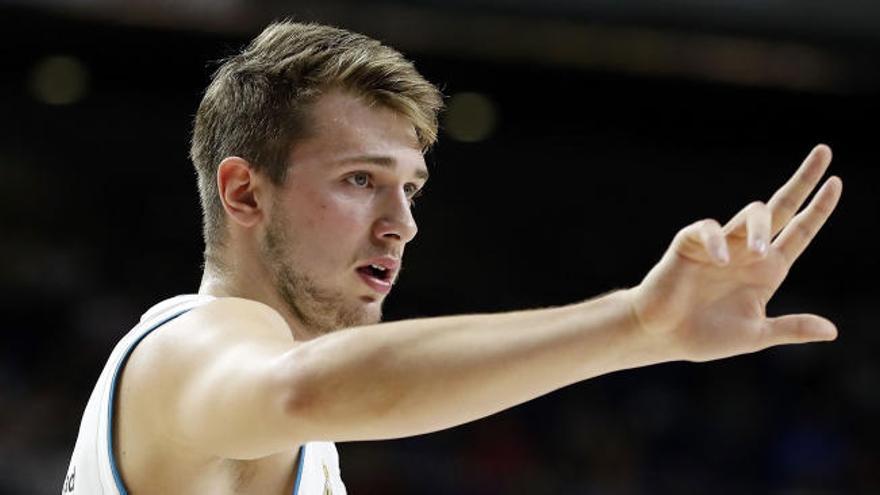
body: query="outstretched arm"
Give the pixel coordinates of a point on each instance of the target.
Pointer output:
(704, 300)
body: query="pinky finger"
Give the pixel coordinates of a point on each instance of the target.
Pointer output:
(798, 234)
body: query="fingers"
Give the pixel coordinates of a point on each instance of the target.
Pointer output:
(789, 198)
(701, 240)
(798, 234)
(797, 329)
(712, 237)
(759, 223)
(754, 224)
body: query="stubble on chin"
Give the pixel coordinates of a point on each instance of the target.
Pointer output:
(321, 309)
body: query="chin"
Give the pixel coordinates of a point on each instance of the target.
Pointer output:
(365, 310)
(371, 312)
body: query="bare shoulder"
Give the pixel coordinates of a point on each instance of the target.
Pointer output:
(181, 378)
(170, 357)
(227, 320)
(233, 314)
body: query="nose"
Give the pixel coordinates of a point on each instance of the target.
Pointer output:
(396, 222)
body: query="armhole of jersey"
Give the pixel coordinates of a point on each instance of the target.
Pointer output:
(111, 455)
(299, 469)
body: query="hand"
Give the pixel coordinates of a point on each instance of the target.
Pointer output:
(706, 298)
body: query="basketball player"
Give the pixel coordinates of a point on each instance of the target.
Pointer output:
(309, 150)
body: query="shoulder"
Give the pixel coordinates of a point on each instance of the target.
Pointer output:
(233, 315)
(220, 329)
(221, 321)
(181, 368)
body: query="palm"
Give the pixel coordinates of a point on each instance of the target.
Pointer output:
(709, 308)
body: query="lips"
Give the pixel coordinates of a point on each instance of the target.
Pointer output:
(379, 273)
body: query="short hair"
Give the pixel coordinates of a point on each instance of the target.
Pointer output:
(257, 105)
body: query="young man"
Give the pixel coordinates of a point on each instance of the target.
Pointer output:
(309, 149)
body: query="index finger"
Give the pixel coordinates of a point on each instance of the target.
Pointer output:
(786, 202)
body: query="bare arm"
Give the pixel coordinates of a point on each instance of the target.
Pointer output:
(416, 376)
(704, 300)
(249, 391)
(234, 384)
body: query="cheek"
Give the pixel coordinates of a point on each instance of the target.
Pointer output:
(334, 218)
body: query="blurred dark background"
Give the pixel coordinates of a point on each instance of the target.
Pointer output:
(580, 136)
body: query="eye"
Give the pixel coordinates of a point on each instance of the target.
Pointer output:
(359, 179)
(412, 192)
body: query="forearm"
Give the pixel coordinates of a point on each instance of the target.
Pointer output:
(416, 376)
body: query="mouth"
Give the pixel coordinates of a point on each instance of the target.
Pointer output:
(378, 274)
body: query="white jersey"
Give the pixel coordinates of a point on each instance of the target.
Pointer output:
(93, 469)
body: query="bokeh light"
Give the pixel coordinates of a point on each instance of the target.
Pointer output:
(470, 117)
(59, 80)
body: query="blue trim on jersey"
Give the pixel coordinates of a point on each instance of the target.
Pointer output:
(116, 476)
(299, 469)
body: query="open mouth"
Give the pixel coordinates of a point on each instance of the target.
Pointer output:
(377, 272)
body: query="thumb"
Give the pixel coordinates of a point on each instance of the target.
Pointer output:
(798, 329)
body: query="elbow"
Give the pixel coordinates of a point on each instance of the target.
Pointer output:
(313, 388)
(327, 398)
(299, 404)
(299, 395)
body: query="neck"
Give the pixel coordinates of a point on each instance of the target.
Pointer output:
(225, 279)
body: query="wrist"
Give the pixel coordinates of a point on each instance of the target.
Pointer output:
(648, 344)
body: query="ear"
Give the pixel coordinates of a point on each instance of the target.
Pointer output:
(239, 185)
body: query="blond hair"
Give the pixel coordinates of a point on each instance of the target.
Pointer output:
(257, 105)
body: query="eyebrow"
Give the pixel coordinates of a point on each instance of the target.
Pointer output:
(383, 161)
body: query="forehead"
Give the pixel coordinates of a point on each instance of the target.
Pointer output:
(342, 125)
